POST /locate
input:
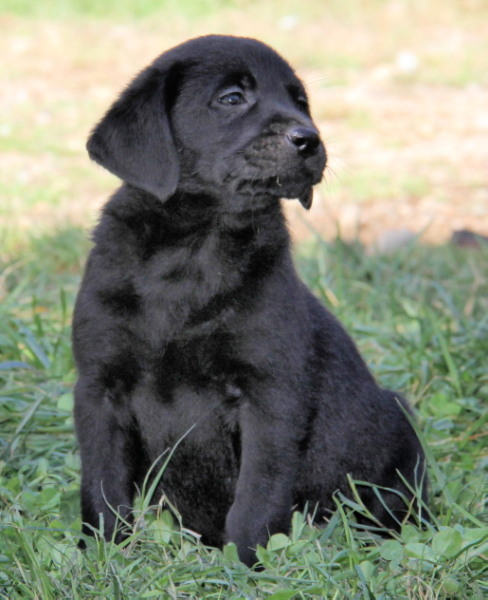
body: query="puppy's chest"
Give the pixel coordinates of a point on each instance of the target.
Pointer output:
(210, 363)
(183, 292)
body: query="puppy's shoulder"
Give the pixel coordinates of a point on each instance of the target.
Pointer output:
(127, 225)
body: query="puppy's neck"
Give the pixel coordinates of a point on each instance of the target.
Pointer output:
(239, 227)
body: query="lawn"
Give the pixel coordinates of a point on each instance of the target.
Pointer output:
(419, 314)
(420, 317)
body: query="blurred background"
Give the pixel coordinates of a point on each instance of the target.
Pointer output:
(399, 89)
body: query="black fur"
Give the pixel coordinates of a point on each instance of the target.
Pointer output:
(191, 324)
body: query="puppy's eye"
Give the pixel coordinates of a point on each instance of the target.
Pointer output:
(232, 98)
(299, 98)
(302, 102)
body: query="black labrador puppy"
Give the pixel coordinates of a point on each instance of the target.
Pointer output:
(192, 328)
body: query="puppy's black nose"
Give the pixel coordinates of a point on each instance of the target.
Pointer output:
(305, 139)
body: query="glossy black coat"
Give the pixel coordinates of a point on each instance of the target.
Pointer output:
(192, 326)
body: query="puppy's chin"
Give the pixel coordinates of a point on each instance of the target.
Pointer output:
(304, 196)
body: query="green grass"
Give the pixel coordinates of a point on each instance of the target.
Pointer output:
(420, 317)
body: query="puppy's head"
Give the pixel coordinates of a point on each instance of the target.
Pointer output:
(218, 115)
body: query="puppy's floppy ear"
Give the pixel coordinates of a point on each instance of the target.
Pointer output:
(134, 139)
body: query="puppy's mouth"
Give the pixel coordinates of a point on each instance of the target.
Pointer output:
(280, 187)
(306, 198)
(271, 176)
(292, 190)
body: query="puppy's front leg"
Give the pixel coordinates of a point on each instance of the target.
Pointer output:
(263, 500)
(110, 460)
